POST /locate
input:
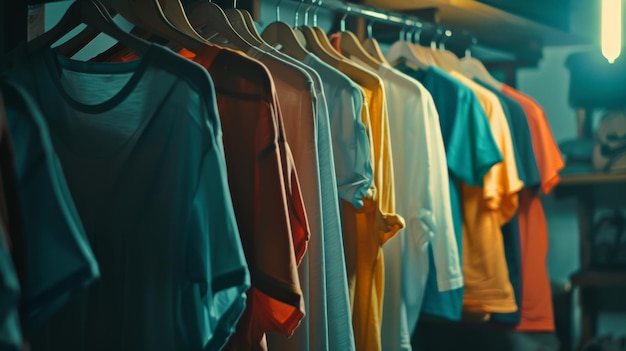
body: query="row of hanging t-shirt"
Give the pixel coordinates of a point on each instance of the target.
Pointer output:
(220, 200)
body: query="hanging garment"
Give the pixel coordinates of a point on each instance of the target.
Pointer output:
(252, 127)
(140, 145)
(352, 175)
(351, 147)
(10, 333)
(10, 232)
(486, 209)
(368, 228)
(313, 332)
(424, 202)
(297, 99)
(469, 157)
(529, 175)
(537, 313)
(59, 258)
(275, 304)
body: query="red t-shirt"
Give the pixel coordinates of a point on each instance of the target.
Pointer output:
(536, 312)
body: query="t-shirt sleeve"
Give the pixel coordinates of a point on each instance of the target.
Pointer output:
(444, 241)
(58, 255)
(472, 149)
(351, 146)
(215, 258)
(551, 159)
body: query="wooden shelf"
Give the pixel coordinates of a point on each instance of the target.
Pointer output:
(492, 27)
(593, 178)
(588, 278)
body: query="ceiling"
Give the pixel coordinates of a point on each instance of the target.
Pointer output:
(521, 28)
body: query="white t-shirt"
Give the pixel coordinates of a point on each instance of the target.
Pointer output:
(420, 174)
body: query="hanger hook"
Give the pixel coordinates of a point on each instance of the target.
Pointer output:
(446, 35)
(435, 39)
(417, 34)
(234, 4)
(409, 34)
(370, 24)
(317, 9)
(468, 52)
(306, 13)
(342, 23)
(278, 10)
(401, 35)
(297, 15)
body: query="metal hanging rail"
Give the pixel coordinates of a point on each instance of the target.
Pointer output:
(369, 13)
(441, 34)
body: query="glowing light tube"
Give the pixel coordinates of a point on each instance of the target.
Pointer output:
(611, 22)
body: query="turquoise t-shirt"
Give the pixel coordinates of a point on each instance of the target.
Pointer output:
(471, 151)
(58, 257)
(141, 149)
(529, 174)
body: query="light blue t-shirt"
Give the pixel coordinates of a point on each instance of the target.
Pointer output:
(140, 145)
(351, 148)
(336, 87)
(471, 151)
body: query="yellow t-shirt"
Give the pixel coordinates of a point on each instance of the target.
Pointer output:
(485, 209)
(366, 229)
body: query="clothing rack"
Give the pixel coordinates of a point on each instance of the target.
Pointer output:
(365, 12)
(393, 24)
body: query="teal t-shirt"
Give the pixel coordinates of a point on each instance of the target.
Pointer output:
(10, 333)
(140, 146)
(470, 151)
(58, 257)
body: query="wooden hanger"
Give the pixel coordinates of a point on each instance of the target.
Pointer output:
(93, 14)
(415, 38)
(444, 58)
(314, 45)
(175, 14)
(317, 41)
(73, 45)
(372, 47)
(280, 33)
(404, 51)
(149, 15)
(473, 68)
(249, 21)
(236, 20)
(325, 42)
(210, 20)
(351, 45)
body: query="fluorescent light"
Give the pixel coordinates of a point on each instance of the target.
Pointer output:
(611, 29)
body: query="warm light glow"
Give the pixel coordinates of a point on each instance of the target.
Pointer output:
(611, 29)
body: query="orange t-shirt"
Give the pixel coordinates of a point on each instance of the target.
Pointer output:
(536, 313)
(488, 288)
(256, 154)
(547, 153)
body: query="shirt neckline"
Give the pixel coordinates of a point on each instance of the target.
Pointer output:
(56, 63)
